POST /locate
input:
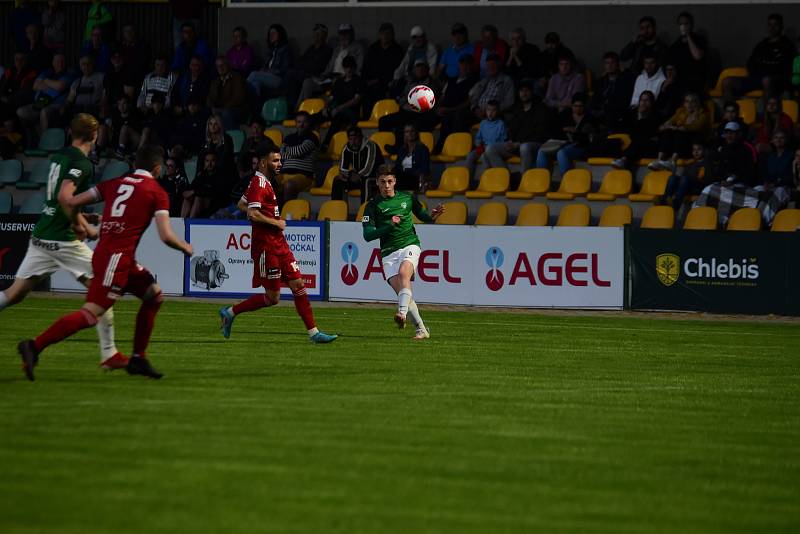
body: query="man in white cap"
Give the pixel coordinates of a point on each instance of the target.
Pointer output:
(419, 48)
(348, 46)
(736, 159)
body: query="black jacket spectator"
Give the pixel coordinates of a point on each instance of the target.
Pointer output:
(537, 124)
(736, 164)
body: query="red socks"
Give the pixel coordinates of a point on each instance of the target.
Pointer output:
(303, 306)
(256, 302)
(65, 327)
(145, 320)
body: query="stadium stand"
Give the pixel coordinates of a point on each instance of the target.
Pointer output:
(616, 215)
(659, 217)
(787, 220)
(333, 210)
(745, 220)
(296, 209)
(533, 214)
(454, 181)
(701, 218)
(454, 213)
(492, 214)
(574, 215)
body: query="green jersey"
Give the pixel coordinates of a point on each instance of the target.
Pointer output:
(69, 164)
(377, 221)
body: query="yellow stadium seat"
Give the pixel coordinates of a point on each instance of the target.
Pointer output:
(745, 220)
(454, 213)
(731, 72)
(747, 110)
(701, 218)
(325, 189)
(662, 217)
(534, 182)
(533, 214)
(790, 107)
(360, 213)
(455, 181)
(492, 214)
(787, 220)
(297, 209)
(616, 215)
(426, 138)
(380, 109)
(333, 210)
(275, 135)
(653, 187)
(494, 181)
(312, 106)
(382, 139)
(616, 183)
(625, 138)
(574, 215)
(456, 147)
(575, 183)
(336, 147)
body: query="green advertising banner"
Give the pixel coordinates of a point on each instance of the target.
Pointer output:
(722, 272)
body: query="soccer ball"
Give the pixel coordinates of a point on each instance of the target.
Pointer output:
(421, 98)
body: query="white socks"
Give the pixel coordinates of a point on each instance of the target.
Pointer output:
(413, 313)
(3, 300)
(105, 332)
(313, 332)
(403, 300)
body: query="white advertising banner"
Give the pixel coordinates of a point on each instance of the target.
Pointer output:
(165, 263)
(489, 266)
(222, 267)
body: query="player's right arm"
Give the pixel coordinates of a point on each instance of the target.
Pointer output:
(368, 227)
(168, 235)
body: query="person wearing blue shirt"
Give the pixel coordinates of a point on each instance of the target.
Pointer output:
(491, 130)
(51, 88)
(191, 46)
(448, 64)
(97, 50)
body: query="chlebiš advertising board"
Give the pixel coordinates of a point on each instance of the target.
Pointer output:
(15, 232)
(723, 272)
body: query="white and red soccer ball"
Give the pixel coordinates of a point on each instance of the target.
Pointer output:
(421, 98)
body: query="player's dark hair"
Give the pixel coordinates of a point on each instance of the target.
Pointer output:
(385, 170)
(611, 55)
(265, 150)
(777, 17)
(148, 157)
(686, 15)
(648, 18)
(494, 103)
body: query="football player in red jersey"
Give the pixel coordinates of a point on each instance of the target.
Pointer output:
(273, 260)
(131, 202)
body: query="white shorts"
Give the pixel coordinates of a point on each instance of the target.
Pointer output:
(392, 262)
(46, 257)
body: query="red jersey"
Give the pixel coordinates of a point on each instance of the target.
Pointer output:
(261, 196)
(131, 203)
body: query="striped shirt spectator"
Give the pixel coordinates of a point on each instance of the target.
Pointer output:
(159, 81)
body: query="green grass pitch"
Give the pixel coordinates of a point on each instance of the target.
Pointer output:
(501, 422)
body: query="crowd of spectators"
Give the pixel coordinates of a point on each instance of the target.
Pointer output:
(539, 104)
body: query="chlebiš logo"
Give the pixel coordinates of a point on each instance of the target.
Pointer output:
(668, 268)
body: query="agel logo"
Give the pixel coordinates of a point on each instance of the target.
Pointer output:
(349, 270)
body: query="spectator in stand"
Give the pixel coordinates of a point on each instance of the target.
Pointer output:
(54, 19)
(689, 124)
(735, 160)
(160, 81)
(118, 80)
(16, 86)
(344, 107)
(564, 84)
(730, 113)
(769, 65)
(158, 124)
(383, 58)
(22, 16)
(670, 96)
(185, 12)
(796, 176)
(208, 190)
(174, 182)
(489, 45)
(530, 124)
(773, 120)
(419, 49)
(85, 93)
(192, 83)
(523, 58)
(10, 138)
(51, 88)
(97, 50)
(646, 43)
(39, 57)
(578, 129)
(612, 93)
(495, 86)
(454, 106)
(227, 94)
(642, 125)
(241, 55)
(98, 17)
(298, 155)
(232, 211)
(775, 166)
(270, 80)
(554, 49)
(255, 139)
(123, 116)
(311, 64)
(192, 45)
(359, 163)
(425, 121)
(135, 52)
(688, 54)
(448, 64)
(347, 47)
(413, 165)
(221, 144)
(492, 130)
(190, 132)
(694, 179)
(651, 79)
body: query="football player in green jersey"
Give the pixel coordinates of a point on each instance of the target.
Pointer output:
(389, 217)
(56, 243)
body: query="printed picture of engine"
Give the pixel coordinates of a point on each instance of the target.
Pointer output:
(207, 271)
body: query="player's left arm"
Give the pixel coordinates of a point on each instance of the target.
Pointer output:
(422, 214)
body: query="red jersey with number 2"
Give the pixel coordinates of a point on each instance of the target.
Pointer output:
(261, 196)
(131, 203)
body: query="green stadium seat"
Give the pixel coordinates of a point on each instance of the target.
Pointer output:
(52, 139)
(6, 202)
(33, 204)
(238, 139)
(10, 171)
(38, 177)
(115, 168)
(275, 110)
